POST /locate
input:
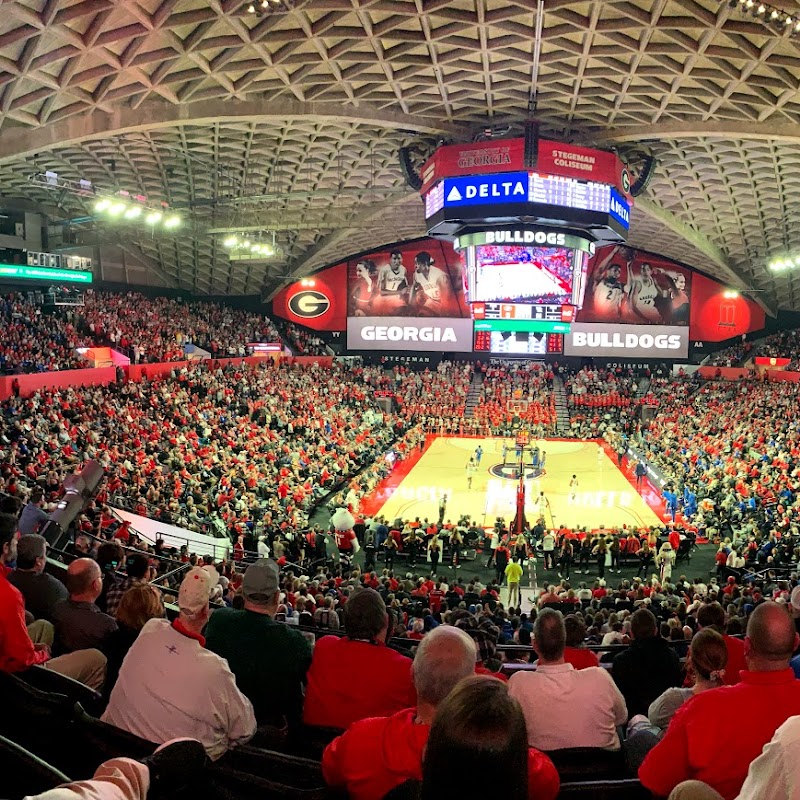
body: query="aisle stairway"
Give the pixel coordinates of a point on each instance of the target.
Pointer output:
(563, 426)
(474, 394)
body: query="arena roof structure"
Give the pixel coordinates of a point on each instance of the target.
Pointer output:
(287, 119)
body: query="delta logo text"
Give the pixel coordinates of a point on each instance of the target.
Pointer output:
(309, 304)
(486, 190)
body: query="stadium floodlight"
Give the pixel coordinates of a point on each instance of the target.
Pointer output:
(133, 212)
(231, 241)
(153, 217)
(173, 221)
(102, 204)
(115, 209)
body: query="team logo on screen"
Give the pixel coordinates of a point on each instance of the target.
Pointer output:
(309, 304)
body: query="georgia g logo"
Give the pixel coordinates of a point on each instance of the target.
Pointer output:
(309, 304)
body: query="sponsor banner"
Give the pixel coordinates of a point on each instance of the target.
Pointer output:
(629, 341)
(409, 334)
(557, 158)
(502, 155)
(619, 209)
(633, 287)
(482, 190)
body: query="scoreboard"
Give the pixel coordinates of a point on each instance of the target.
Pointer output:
(555, 190)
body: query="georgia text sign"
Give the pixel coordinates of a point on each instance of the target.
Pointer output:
(409, 333)
(627, 341)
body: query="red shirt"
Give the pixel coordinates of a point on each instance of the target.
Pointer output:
(17, 652)
(351, 680)
(580, 657)
(736, 662)
(715, 735)
(376, 755)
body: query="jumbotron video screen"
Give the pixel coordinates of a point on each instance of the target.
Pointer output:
(521, 274)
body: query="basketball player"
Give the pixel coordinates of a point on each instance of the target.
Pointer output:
(471, 469)
(362, 294)
(608, 288)
(431, 294)
(541, 504)
(573, 489)
(392, 286)
(642, 293)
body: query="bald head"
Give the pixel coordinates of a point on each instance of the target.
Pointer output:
(771, 637)
(84, 579)
(444, 657)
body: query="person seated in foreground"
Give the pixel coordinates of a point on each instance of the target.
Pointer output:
(712, 616)
(172, 767)
(17, 651)
(375, 755)
(705, 740)
(357, 676)
(169, 685)
(563, 706)
(40, 590)
(649, 655)
(774, 775)
(79, 623)
(269, 660)
(477, 747)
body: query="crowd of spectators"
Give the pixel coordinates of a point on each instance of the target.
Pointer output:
(250, 452)
(734, 445)
(521, 391)
(436, 399)
(304, 341)
(231, 450)
(146, 329)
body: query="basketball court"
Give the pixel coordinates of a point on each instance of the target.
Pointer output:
(604, 495)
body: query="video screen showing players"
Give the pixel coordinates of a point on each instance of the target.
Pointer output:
(423, 281)
(519, 274)
(630, 286)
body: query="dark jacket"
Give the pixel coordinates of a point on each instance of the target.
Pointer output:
(644, 671)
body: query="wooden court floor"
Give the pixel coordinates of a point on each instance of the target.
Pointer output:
(603, 495)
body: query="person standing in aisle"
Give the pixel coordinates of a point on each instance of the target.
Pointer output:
(456, 541)
(565, 559)
(435, 553)
(600, 551)
(442, 508)
(548, 549)
(513, 575)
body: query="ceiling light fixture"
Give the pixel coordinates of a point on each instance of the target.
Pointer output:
(777, 20)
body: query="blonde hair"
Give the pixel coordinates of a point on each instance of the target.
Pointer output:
(141, 603)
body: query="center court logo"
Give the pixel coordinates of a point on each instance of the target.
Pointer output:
(511, 471)
(309, 304)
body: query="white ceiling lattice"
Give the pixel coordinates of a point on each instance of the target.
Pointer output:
(158, 96)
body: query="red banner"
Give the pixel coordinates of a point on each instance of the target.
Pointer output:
(557, 158)
(717, 315)
(766, 361)
(452, 160)
(318, 302)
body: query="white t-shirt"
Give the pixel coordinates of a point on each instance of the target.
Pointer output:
(170, 686)
(565, 707)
